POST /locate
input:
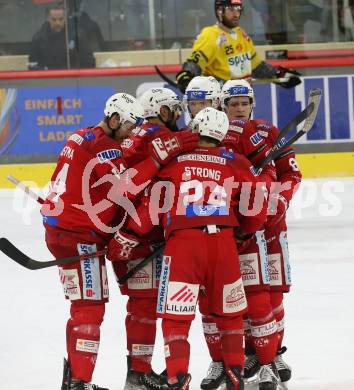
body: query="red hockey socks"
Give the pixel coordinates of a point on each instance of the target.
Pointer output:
(212, 337)
(263, 326)
(140, 325)
(231, 332)
(83, 338)
(276, 299)
(177, 348)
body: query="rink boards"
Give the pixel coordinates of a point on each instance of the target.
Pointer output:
(311, 165)
(38, 116)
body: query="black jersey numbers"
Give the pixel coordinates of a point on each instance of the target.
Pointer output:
(229, 50)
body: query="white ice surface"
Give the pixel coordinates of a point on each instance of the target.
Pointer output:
(319, 309)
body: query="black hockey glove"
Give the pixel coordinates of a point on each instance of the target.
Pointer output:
(183, 78)
(292, 74)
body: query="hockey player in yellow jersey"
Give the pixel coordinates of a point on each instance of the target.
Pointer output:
(226, 52)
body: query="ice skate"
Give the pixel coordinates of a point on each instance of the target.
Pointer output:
(251, 368)
(143, 381)
(284, 370)
(182, 384)
(75, 384)
(215, 377)
(268, 377)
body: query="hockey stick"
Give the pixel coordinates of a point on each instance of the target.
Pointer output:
(25, 188)
(140, 265)
(19, 257)
(279, 146)
(165, 78)
(304, 114)
(252, 81)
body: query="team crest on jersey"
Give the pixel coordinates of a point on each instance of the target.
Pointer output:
(89, 136)
(109, 154)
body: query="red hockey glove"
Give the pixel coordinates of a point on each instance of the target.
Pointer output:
(126, 246)
(292, 74)
(168, 145)
(277, 206)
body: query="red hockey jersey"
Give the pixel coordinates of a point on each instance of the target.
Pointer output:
(287, 169)
(91, 184)
(203, 188)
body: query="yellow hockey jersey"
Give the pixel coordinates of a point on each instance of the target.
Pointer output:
(225, 55)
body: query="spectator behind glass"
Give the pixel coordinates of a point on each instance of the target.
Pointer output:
(49, 48)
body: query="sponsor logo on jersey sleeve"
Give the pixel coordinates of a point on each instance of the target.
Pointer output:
(109, 154)
(76, 138)
(256, 138)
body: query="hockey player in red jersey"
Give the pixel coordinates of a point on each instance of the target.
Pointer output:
(202, 92)
(200, 249)
(91, 186)
(244, 139)
(238, 100)
(288, 181)
(162, 108)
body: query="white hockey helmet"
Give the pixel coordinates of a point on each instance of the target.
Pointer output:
(203, 88)
(234, 88)
(154, 98)
(128, 108)
(212, 123)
